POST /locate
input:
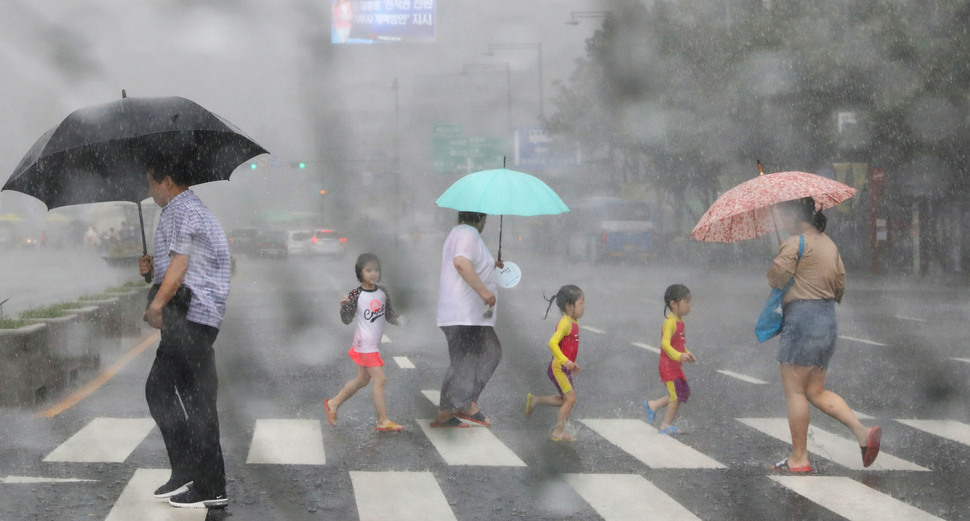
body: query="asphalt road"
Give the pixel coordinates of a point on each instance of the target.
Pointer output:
(902, 361)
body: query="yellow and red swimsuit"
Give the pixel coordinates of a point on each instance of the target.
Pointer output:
(564, 345)
(673, 346)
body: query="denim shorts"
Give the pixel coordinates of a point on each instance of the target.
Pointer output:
(808, 333)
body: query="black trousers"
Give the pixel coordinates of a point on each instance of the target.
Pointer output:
(474, 352)
(181, 391)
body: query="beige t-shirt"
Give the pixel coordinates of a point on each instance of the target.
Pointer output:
(819, 274)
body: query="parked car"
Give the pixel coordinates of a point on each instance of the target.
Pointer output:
(271, 243)
(243, 241)
(328, 242)
(298, 242)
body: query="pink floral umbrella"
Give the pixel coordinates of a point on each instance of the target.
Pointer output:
(744, 212)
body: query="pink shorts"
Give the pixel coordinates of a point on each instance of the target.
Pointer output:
(366, 359)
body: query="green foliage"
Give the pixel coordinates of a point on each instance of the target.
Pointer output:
(51, 311)
(12, 323)
(686, 96)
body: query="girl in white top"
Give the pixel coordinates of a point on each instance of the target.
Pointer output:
(371, 305)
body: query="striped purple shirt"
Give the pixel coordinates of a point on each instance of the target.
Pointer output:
(187, 227)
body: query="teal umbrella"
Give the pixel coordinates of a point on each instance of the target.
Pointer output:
(502, 192)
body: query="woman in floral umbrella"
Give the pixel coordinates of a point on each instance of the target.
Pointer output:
(809, 331)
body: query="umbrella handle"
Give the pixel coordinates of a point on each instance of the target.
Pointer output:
(498, 263)
(144, 244)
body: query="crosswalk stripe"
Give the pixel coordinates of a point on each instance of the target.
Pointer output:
(949, 429)
(832, 447)
(472, 446)
(136, 501)
(287, 442)
(742, 377)
(644, 443)
(402, 496)
(648, 347)
(851, 499)
(965, 360)
(914, 319)
(622, 497)
(403, 362)
(385, 339)
(432, 396)
(862, 340)
(29, 480)
(104, 440)
(593, 330)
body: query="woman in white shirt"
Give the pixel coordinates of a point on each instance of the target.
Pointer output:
(466, 314)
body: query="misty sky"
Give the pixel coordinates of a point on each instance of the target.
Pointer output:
(269, 68)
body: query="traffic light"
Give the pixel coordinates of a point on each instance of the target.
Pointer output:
(252, 165)
(322, 192)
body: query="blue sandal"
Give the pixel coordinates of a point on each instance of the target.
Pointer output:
(670, 431)
(651, 414)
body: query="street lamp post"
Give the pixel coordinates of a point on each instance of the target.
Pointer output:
(518, 46)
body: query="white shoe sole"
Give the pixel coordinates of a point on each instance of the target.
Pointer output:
(208, 503)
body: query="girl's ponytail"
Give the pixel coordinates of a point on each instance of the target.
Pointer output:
(551, 300)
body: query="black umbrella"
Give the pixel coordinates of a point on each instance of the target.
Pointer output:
(100, 153)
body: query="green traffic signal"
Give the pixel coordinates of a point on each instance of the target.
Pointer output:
(302, 165)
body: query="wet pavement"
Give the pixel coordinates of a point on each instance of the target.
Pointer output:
(902, 362)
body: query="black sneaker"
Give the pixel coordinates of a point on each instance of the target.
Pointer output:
(193, 499)
(174, 487)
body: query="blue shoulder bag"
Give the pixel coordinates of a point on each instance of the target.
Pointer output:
(772, 317)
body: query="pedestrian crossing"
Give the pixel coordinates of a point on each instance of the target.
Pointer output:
(835, 448)
(418, 494)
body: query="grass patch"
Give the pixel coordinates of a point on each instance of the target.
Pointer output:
(89, 298)
(52, 311)
(12, 323)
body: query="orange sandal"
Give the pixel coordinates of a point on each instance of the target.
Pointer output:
(389, 427)
(331, 416)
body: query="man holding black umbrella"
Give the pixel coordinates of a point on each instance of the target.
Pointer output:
(191, 272)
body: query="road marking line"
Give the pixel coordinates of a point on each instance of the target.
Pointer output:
(826, 445)
(403, 362)
(739, 376)
(593, 330)
(435, 398)
(644, 443)
(28, 480)
(966, 360)
(470, 446)
(862, 415)
(914, 319)
(851, 499)
(861, 340)
(385, 339)
(136, 501)
(287, 442)
(404, 496)
(104, 440)
(93, 385)
(648, 347)
(949, 429)
(627, 496)
(432, 396)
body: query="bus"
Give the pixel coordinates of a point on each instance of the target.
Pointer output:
(602, 228)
